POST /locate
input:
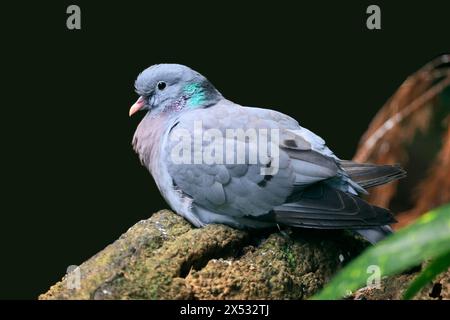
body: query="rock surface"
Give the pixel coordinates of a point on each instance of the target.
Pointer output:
(165, 257)
(392, 288)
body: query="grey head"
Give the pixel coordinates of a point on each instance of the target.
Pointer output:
(172, 88)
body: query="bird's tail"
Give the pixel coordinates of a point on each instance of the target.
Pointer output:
(375, 234)
(369, 175)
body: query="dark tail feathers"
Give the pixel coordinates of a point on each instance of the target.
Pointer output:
(375, 234)
(369, 175)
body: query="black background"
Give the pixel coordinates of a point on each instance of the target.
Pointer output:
(72, 183)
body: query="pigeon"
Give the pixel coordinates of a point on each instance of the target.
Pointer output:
(215, 161)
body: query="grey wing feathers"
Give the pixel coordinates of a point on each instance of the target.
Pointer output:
(321, 206)
(311, 166)
(240, 189)
(234, 189)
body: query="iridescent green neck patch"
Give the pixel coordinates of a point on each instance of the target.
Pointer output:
(195, 93)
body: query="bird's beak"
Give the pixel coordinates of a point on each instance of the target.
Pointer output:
(138, 105)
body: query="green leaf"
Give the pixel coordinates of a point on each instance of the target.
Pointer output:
(427, 238)
(435, 267)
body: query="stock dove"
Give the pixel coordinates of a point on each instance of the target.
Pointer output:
(215, 161)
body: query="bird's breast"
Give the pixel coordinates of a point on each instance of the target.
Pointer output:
(147, 141)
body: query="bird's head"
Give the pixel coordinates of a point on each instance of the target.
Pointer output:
(172, 88)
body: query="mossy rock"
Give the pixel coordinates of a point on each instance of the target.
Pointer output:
(165, 257)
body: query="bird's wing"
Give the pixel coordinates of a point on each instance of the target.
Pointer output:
(321, 206)
(243, 189)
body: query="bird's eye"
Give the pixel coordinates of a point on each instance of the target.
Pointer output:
(161, 85)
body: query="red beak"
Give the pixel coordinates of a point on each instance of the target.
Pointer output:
(137, 106)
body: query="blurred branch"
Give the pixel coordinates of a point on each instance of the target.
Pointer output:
(424, 76)
(417, 106)
(435, 189)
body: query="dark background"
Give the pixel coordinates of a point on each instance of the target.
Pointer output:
(72, 183)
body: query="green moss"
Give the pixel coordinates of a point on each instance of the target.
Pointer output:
(289, 256)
